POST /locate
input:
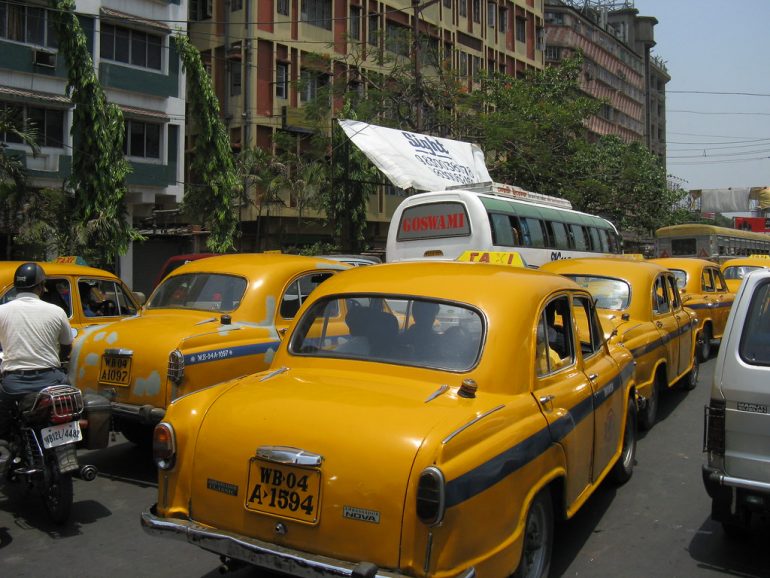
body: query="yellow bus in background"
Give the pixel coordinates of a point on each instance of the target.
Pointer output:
(709, 242)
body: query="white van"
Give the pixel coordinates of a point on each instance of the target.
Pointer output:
(495, 217)
(737, 425)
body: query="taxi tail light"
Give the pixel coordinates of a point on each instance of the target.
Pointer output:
(714, 430)
(176, 366)
(164, 446)
(431, 496)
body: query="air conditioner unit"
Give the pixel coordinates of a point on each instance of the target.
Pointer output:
(44, 58)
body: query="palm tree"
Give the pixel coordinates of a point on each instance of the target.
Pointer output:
(11, 128)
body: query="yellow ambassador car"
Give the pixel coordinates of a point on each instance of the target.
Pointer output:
(442, 445)
(210, 320)
(640, 305)
(734, 270)
(88, 295)
(705, 291)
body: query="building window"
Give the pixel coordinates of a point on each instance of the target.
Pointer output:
(48, 124)
(355, 22)
(131, 46)
(553, 53)
(476, 10)
(464, 8)
(374, 29)
(235, 78)
(236, 5)
(142, 139)
(27, 24)
(282, 6)
(200, 9)
(317, 12)
(503, 20)
(491, 14)
(310, 83)
(521, 29)
(396, 38)
(447, 4)
(282, 80)
(463, 64)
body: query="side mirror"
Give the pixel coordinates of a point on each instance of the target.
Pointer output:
(140, 297)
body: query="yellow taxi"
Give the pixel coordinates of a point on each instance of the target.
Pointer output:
(734, 270)
(705, 291)
(208, 321)
(641, 307)
(88, 295)
(442, 445)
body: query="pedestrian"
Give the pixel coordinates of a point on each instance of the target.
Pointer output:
(35, 337)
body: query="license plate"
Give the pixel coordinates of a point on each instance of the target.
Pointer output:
(286, 491)
(115, 370)
(62, 434)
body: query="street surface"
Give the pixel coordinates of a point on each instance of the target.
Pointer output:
(657, 525)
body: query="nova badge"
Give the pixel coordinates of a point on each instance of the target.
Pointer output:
(361, 514)
(224, 487)
(752, 407)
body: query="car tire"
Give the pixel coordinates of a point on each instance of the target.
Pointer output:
(624, 467)
(690, 381)
(704, 346)
(649, 414)
(537, 541)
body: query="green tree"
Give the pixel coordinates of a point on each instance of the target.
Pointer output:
(97, 184)
(212, 198)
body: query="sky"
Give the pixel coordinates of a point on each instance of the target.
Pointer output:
(718, 99)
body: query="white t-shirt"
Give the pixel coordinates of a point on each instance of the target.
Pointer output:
(31, 331)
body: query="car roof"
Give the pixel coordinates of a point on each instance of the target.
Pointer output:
(684, 262)
(604, 267)
(247, 264)
(7, 269)
(761, 261)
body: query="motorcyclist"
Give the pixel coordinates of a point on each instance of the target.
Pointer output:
(35, 336)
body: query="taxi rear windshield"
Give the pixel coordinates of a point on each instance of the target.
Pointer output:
(391, 329)
(608, 292)
(738, 272)
(206, 291)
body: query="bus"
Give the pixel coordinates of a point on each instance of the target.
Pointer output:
(442, 225)
(709, 242)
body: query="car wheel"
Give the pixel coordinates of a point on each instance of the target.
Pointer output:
(538, 539)
(704, 347)
(650, 414)
(624, 467)
(690, 380)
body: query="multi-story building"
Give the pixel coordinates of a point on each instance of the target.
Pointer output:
(618, 68)
(140, 71)
(268, 58)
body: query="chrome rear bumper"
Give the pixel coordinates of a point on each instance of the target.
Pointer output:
(263, 554)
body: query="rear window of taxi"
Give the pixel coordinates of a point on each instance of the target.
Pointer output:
(392, 329)
(608, 293)
(206, 291)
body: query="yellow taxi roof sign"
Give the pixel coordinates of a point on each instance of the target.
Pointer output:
(71, 259)
(510, 258)
(759, 256)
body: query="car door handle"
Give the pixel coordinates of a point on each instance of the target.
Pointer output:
(544, 399)
(659, 324)
(593, 376)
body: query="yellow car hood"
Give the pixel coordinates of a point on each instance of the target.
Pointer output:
(368, 429)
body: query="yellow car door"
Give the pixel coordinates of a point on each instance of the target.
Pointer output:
(667, 323)
(565, 395)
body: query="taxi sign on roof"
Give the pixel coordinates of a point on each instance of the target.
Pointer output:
(759, 256)
(71, 259)
(493, 257)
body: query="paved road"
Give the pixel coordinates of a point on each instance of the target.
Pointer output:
(657, 525)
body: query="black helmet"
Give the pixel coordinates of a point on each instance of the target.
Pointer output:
(28, 275)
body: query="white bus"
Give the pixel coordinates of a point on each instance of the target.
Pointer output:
(494, 217)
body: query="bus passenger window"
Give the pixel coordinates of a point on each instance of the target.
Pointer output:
(578, 237)
(558, 235)
(503, 233)
(536, 233)
(603, 239)
(594, 236)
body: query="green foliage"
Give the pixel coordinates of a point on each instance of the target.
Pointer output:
(99, 219)
(213, 196)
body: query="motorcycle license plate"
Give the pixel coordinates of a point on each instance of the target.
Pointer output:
(115, 370)
(281, 490)
(62, 434)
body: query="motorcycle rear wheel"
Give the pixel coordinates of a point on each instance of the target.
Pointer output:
(57, 494)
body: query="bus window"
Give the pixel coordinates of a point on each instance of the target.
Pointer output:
(683, 247)
(503, 232)
(536, 232)
(604, 240)
(594, 236)
(558, 234)
(578, 237)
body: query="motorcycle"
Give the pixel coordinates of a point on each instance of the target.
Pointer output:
(44, 430)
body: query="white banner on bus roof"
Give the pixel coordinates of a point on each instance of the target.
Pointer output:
(409, 159)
